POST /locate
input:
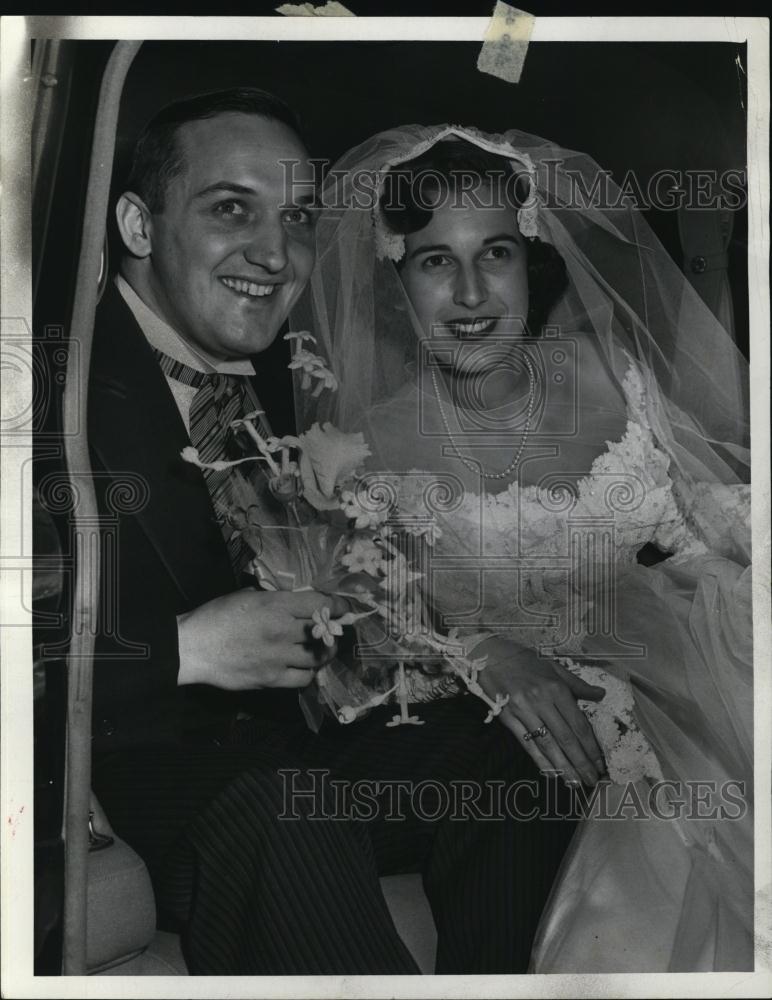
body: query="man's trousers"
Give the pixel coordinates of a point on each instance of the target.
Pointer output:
(265, 842)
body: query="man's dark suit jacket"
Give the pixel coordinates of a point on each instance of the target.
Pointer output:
(170, 556)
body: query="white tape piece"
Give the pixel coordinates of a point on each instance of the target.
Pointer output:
(506, 43)
(330, 9)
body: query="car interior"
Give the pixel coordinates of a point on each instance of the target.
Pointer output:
(94, 905)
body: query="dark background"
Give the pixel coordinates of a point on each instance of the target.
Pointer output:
(636, 105)
(632, 106)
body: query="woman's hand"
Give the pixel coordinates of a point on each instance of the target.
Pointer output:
(543, 693)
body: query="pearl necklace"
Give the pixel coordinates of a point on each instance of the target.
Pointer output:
(477, 469)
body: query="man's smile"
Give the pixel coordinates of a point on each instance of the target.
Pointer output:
(251, 289)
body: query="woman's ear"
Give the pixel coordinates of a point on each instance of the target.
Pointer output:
(134, 224)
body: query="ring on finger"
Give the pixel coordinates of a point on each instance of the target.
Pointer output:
(536, 733)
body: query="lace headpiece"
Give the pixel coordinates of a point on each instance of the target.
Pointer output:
(390, 245)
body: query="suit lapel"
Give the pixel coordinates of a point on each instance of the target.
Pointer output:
(135, 427)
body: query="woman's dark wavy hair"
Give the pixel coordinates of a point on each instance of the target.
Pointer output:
(158, 157)
(451, 167)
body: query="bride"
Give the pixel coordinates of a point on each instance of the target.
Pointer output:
(535, 376)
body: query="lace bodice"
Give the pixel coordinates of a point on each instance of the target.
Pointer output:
(541, 564)
(539, 559)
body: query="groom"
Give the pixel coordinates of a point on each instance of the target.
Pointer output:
(193, 736)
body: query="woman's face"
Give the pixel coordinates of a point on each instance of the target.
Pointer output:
(465, 274)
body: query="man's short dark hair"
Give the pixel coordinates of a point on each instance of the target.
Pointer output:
(157, 154)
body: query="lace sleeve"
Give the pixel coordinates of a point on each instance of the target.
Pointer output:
(713, 518)
(629, 755)
(697, 518)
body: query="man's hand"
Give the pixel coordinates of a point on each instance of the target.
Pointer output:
(543, 693)
(254, 639)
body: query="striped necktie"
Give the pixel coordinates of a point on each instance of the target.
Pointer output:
(219, 400)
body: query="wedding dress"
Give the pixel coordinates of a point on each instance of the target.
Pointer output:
(648, 884)
(646, 448)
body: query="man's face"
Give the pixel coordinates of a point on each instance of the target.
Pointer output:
(233, 247)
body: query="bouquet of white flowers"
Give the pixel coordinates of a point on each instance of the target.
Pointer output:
(343, 536)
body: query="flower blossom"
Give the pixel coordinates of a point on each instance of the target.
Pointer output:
(327, 628)
(283, 445)
(361, 516)
(326, 380)
(305, 360)
(324, 627)
(310, 364)
(300, 336)
(327, 458)
(363, 557)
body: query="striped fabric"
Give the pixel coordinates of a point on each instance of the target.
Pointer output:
(180, 372)
(258, 894)
(219, 400)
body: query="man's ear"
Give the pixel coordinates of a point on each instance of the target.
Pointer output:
(135, 224)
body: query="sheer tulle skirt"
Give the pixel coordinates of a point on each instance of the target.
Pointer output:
(641, 891)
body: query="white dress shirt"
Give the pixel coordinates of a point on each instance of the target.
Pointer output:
(165, 338)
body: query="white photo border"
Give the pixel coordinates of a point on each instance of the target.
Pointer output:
(15, 644)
